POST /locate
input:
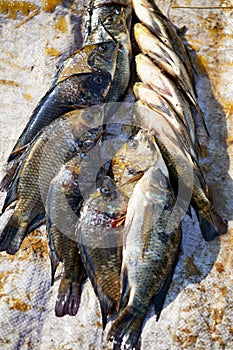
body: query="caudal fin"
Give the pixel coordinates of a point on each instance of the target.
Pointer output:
(68, 298)
(211, 225)
(128, 326)
(13, 234)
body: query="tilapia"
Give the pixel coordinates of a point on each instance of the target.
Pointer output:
(49, 151)
(99, 234)
(110, 20)
(150, 249)
(132, 160)
(155, 78)
(64, 201)
(75, 92)
(185, 175)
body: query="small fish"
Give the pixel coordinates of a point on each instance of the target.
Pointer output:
(48, 152)
(159, 104)
(185, 175)
(150, 249)
(132, 160)
(78, 91)
(112, 21)
(166, 59)
(149, 13)
(99, 234)
(155, 78)
(62, 209)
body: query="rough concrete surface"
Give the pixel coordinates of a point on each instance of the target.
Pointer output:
(198, 312)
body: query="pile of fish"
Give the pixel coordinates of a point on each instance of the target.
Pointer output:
(113, 180)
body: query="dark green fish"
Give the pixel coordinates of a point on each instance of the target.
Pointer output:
(90, 58)
(112, 21)
(50, 150)
(99, 234)
(77, 91)
(185, 174)
(150, 249)
(63, 205)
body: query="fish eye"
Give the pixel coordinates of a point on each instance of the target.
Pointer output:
(105, 190)
(133, 144)
(102, 47)
(97, 80)
(88, 117)
(108, 20)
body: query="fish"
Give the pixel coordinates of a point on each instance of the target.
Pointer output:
(151, 16)
(154, 77)
(166, 59)
(55, 145)
(186, 176)
(99, 233)
(75, 92)
(159, 104)
(63, 204)
(132, 160)
(151, 244)
(112, 21)
(89, 59)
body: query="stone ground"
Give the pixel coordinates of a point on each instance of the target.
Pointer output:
(198, 312)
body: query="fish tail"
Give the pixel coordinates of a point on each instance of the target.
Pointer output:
(68, 298)
(10, 172)
(211, 224)
(128, 326)
(106, 305)
(54, 262)
(13, 234)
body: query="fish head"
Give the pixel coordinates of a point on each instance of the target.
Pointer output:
(102, 216)
(95, 86)
(104, 56)
(108, 198)
(139, 151)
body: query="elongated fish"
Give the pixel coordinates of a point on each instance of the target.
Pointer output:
(185, 174)
(77, 91)
(149, 13)
(64, 201)
(112, 20)
(185, 130)
(150, 249)
(166, 59)
(155, 78)
(99, 234)
(49, 151)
